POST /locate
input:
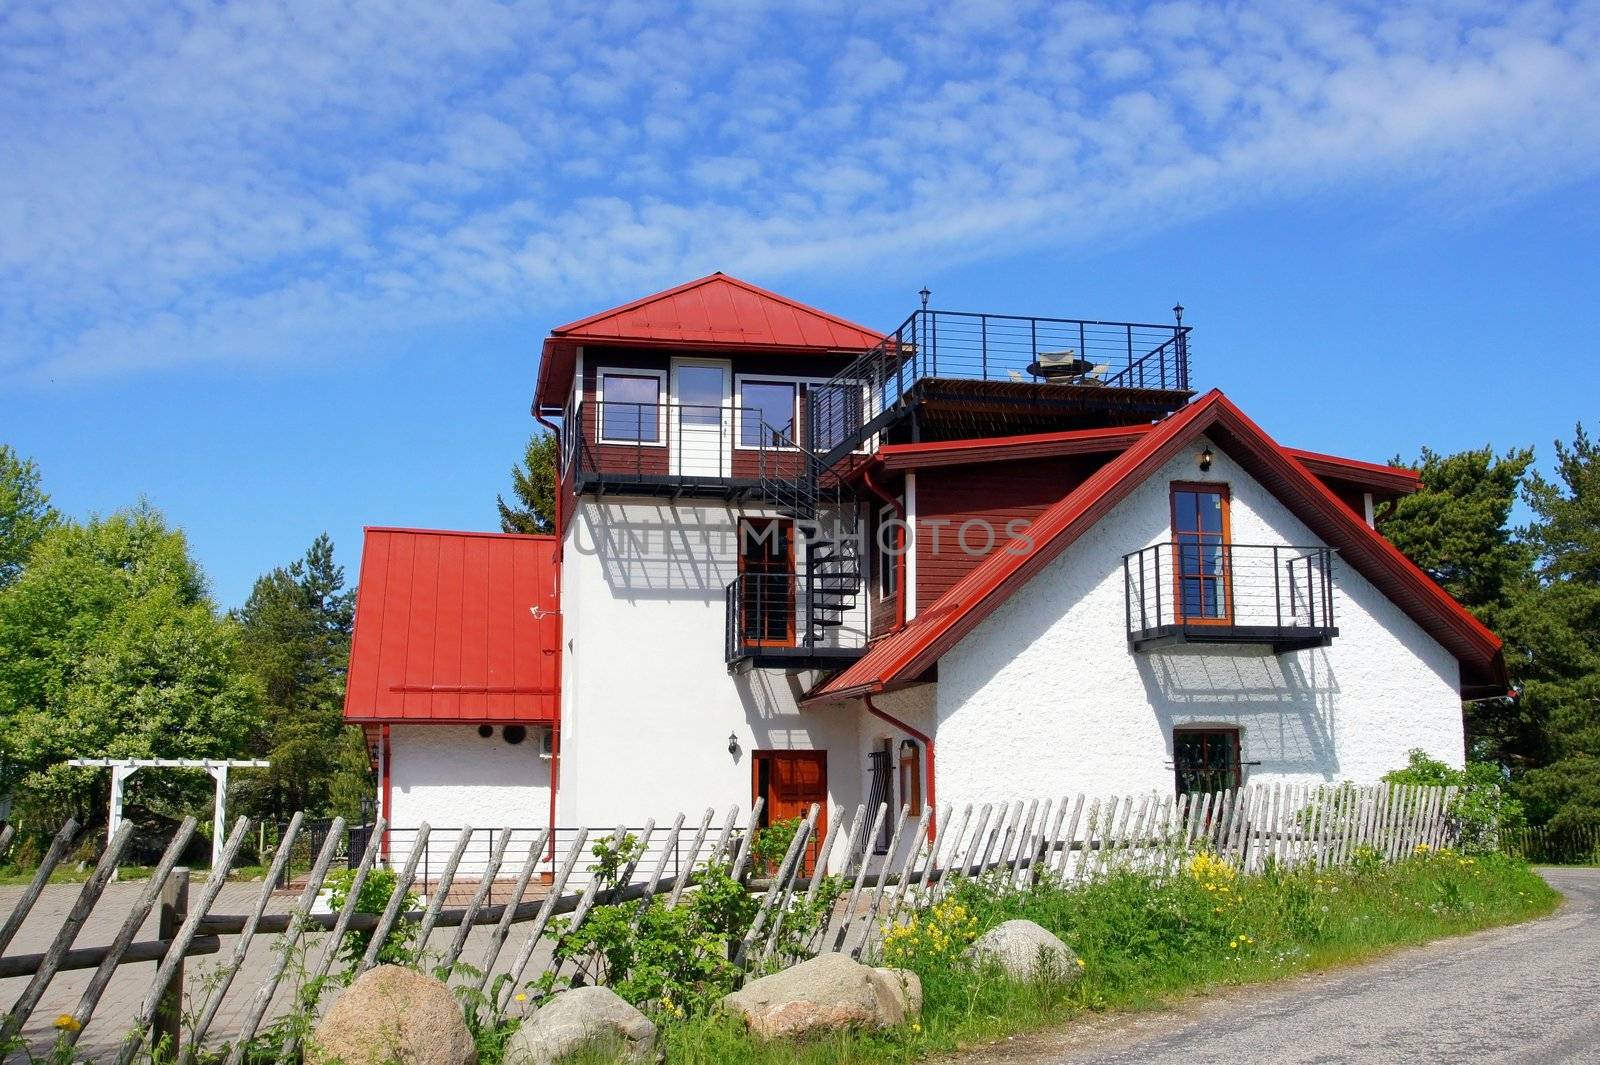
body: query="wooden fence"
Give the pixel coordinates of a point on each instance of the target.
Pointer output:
(1577, 845)
(1013, 844)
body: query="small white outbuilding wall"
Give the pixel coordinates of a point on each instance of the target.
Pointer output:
(1045, 696)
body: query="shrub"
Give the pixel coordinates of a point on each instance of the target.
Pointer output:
(1482, 809)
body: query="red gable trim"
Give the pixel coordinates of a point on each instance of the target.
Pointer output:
(1372, 476)
(712, 312)
(898, 659)
(445, 628)
(1010, 448)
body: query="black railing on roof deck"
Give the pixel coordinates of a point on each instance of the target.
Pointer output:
(774, 617)
(1193, 591)
(993, 347)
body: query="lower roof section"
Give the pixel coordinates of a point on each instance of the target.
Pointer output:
(455, 626)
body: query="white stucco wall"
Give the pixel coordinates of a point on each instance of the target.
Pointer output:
(450, 777)
(1045, 697)
(648, 704)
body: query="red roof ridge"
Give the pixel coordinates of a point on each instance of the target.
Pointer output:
(715, 276)
(899, 658)
(458, 532)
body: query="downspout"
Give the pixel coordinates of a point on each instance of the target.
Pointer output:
(927, 743)
(900, 543)
(555, 727)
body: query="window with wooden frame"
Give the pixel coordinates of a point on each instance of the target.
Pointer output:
(890, 544)
(1201, 566)
(1206, 760)
(911, 776)
(766, 582)
(631, 411)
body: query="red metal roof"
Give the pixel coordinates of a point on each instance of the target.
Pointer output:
(1375, 477)
(1009, 448)
(445, 629)
(713, 312)
(901, 658)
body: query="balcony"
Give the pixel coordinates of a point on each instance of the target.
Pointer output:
(996, 371)
(674, 449)
(1196, 592)
(813, 620)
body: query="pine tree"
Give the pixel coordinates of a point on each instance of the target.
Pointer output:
(295, 642)
(1557, 625)
(533, 482)
(1457, 529)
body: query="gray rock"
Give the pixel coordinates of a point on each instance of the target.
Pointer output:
(1022, 949)
(578, 1018)
(393, 1014)
(828, 993)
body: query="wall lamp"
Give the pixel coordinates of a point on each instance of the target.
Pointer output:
(733, 744)
(1206, 459)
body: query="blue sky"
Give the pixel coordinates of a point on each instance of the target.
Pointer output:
(284, 268)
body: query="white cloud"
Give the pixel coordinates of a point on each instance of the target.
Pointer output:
(187, 182)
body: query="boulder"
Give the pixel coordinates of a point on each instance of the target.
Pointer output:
(578, 1018)
(1022, 948)
(393, 1014)
(825, 994)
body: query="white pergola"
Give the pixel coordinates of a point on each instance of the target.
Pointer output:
(123, 768)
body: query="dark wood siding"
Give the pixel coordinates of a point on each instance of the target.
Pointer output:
(995, 492)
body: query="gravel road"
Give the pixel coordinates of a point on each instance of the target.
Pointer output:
(1530, 993)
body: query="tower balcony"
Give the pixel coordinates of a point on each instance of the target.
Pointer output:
(960, 374)
(1200, 591)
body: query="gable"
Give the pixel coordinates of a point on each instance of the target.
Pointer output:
(710, 314)
(899, 659)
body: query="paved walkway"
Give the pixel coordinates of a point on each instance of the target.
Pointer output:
(120, 1003)
(1530, 993)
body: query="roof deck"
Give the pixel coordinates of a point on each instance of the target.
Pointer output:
(959, 373)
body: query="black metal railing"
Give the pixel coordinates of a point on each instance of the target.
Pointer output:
(992, 347)
(781, 616)
(673, 444)
(1198, 591)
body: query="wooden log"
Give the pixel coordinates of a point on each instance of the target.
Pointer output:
(950, 850)
(41, 877)
(397, 900)
(919, 842)
(88, 895)
(865, 847)
(542, 919)
(1069, 839)
(883, 876)
(778, 888)
(262, 999)
(441, 888)
(458, 942)
(658, 874)
(930, 864)
(741, 861)
(223, 977)
(809, 827)
(502, 927)
(625, 874)
(970, 853)
(178, 924)
(80, 958)
(586, 902)
(686, 868)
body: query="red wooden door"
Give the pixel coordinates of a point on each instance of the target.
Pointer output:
(790, 781)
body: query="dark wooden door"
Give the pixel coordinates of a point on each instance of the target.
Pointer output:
(790, 781)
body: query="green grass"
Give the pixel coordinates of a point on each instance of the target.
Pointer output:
(1144, 942)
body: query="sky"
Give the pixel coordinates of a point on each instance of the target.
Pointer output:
(284, 268)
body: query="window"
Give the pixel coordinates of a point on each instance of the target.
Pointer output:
(911, 776)
(890, 545)
(767, 413)
(766, 582)
(699, 394)
(630, 408)
(1200, 544)
(1205, 760)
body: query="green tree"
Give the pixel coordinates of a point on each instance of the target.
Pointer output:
(295, 642)
(1556, 626)
(110, 646)
(1457, 529)
(533, 483)
(25, 512)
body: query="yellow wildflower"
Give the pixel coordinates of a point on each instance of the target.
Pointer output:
(521, 997)
(68, 1023)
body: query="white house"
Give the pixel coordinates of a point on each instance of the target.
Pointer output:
(980, 557)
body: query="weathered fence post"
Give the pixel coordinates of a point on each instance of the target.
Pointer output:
(165, 1031)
